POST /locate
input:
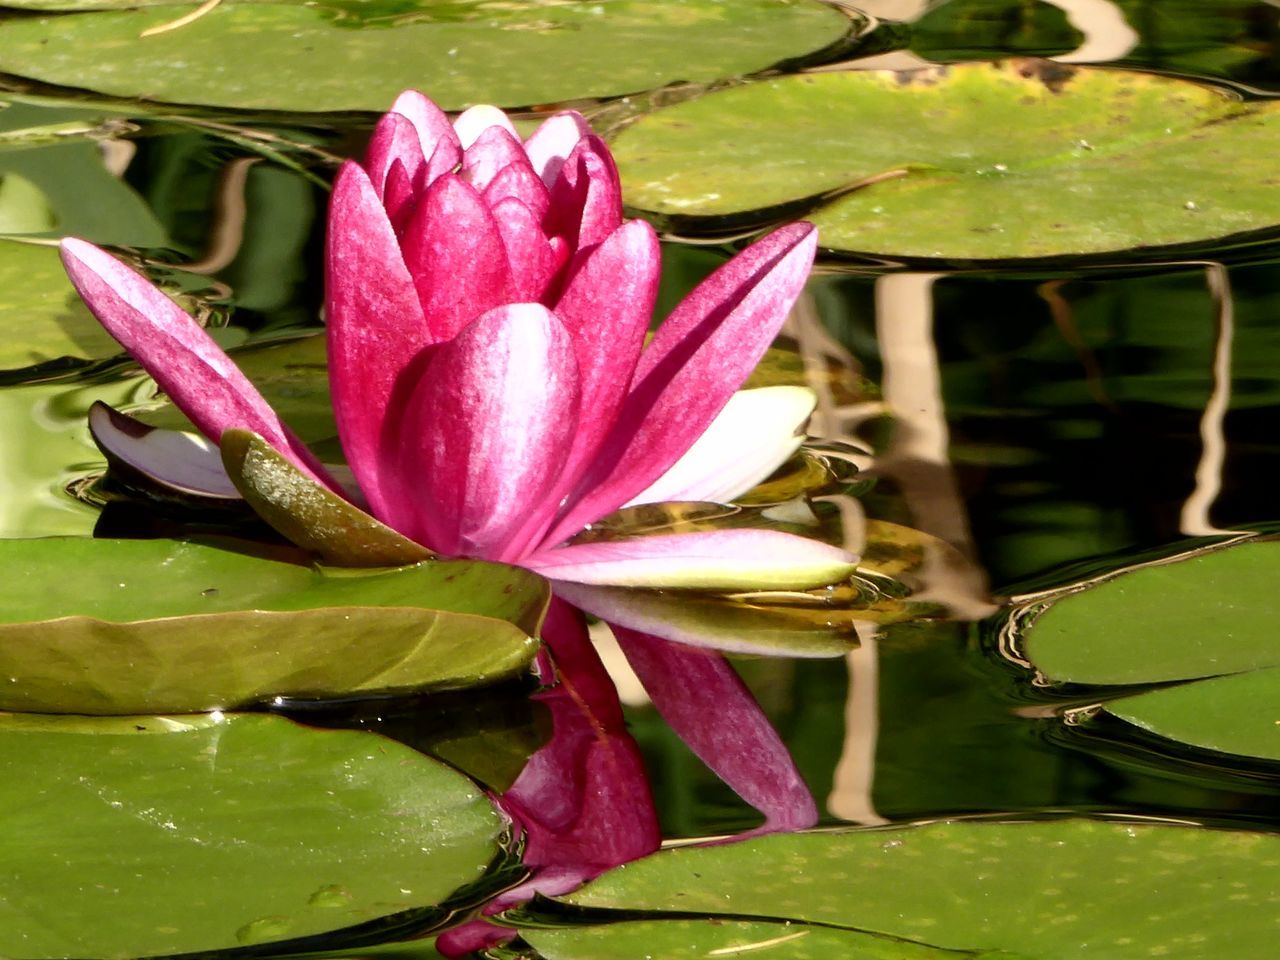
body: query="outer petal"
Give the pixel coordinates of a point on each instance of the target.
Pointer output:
(476, 120)
(749, 439)
(586, 199)
(707, 704)
(375, 323)
(202, 380)
(711, 560)
(606, 307)
(698, 358)
(509, 384)
(553, 141)
(454, 251)
(715, 622)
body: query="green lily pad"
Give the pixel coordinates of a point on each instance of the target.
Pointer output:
(1204, 614)
(159, 626)
(1045, 890)
(347, 56)
(1237, 714)
(154, 836)
(1021, 159)
(696, 939)
(1207, 617)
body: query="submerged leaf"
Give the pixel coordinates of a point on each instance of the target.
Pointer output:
(121, 626)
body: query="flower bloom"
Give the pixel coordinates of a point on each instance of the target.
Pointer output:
(487, 310)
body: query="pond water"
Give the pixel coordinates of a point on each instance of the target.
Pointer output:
(1050, 420)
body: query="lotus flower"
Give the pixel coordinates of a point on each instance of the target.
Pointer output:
(487, 310)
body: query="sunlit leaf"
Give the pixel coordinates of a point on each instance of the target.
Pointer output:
(463, 52)
(139, 626)
(1020, 159)
(1045, 890)
(143, 836)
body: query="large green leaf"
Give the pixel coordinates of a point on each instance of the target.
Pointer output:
(147, 836)
(352, 56)
(1204, 614)
(143, 626)
(696, 939)
(1041, 891)
(1017, 160)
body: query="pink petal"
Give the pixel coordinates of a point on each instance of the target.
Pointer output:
(606, 307)
(586, 199)
(439, 143)
(375, 324)
(494, 150)
(398, 196)
(699, 357)
(202, 380)
(476, 120)
(711, 710)
(508, 386)
(712, 622)
(518, 181)
(553, 141)
(411, 134)
(708, 560)
(454, 251)
(532, 258)
(755, 433)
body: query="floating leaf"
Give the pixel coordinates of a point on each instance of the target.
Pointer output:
(1235, 714)
(142, 626)
(698, 939)
(1045, 890)
(147, 836)
(1206, 613)
(309, 515)
(1019, 160)
(461, 52)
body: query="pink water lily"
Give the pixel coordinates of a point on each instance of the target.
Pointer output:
(487, 310)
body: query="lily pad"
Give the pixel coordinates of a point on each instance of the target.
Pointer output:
(1044, 890)
(347, 56)
(1207, 613)
(1021, 159)
(157, 626)
(154, 836)
(1207, 617)
(695, 939)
